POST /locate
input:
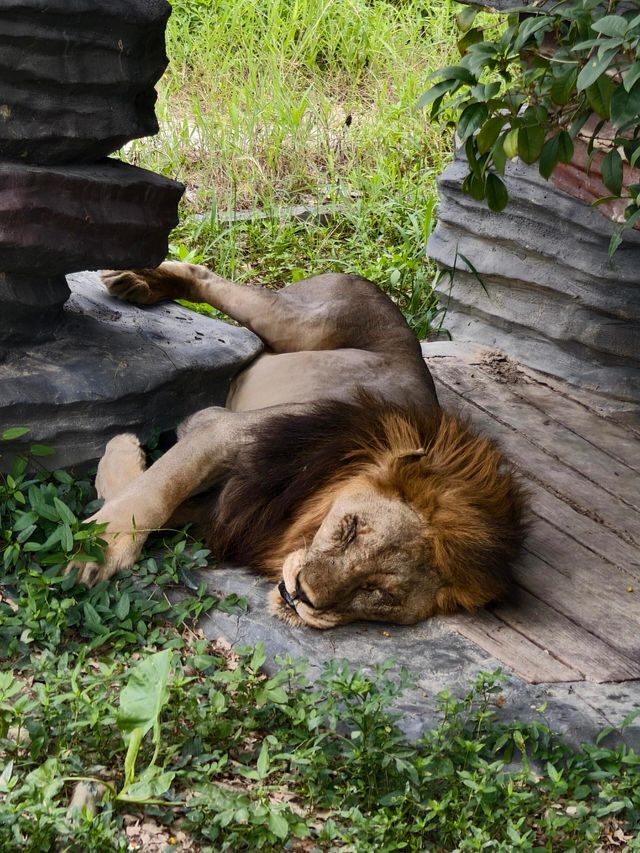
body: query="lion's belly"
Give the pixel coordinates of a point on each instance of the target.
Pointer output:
(304, 377)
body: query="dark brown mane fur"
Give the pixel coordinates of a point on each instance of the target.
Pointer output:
(276, 495)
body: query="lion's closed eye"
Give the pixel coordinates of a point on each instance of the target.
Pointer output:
(348, 530)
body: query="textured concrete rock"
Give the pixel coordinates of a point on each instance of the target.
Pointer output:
(440, 659)
(58, 219)
(77, 76)
(549, 297)
(106, 367)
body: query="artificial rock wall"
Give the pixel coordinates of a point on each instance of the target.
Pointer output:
(77, 82)
(548, 295)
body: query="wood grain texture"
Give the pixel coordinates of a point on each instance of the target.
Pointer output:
(575, 613)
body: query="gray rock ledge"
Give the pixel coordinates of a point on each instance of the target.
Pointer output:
(106, 367)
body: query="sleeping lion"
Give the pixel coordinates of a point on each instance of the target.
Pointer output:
(332, 469)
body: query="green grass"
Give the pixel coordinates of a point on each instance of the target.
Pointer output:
(276, 103)
(189, 743)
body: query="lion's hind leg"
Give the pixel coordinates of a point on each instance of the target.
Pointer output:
(148, 286)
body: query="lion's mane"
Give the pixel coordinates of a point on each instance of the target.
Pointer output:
(275, 496)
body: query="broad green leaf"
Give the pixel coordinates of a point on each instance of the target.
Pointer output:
(5, 777)
(435, 92)
(278, 825)
(631, 76)
(563, 86)
(489, 132)
(565, 144)
(457, 72)
(528, 28)
(153, 783)
(14, 432)
(258, 658)
(479, 57)
(612, 172)
(609, 46)
(530, 142)
(511, 143)
(625, 106)
(484, 91)
(476, 165)
(611, 808)
(470, 38)
(122, 607)
(587, 44)
(599, 96)
(498, 156)
(41, 450)
(26, 534)
(611, 25)
(63, 511)
(595, 66)
(472, 117)
(66, 539)
(145, 694)
(465, 18)
(263, 763)
(550, 157)
(496, 192)
(474, 186)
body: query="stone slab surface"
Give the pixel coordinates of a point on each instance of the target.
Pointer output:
(106, 367)
(59, 219)
(434, 651)
(77, 76)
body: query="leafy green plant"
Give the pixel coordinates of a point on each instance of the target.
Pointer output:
(528, 91)
(99, 683)
(141, 702)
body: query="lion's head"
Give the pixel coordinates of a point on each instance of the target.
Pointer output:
(412, 514)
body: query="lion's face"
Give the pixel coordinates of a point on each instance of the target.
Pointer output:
(368, 560)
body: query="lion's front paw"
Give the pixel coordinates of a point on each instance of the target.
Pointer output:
(124, 544)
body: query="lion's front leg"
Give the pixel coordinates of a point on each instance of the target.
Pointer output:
(139, 501)
(206, 447)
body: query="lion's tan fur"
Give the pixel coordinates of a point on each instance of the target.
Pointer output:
(332, 468)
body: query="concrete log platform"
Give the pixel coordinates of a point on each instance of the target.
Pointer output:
(106, 367)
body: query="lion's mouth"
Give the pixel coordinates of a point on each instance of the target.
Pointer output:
(299, 595)
(286, 595)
